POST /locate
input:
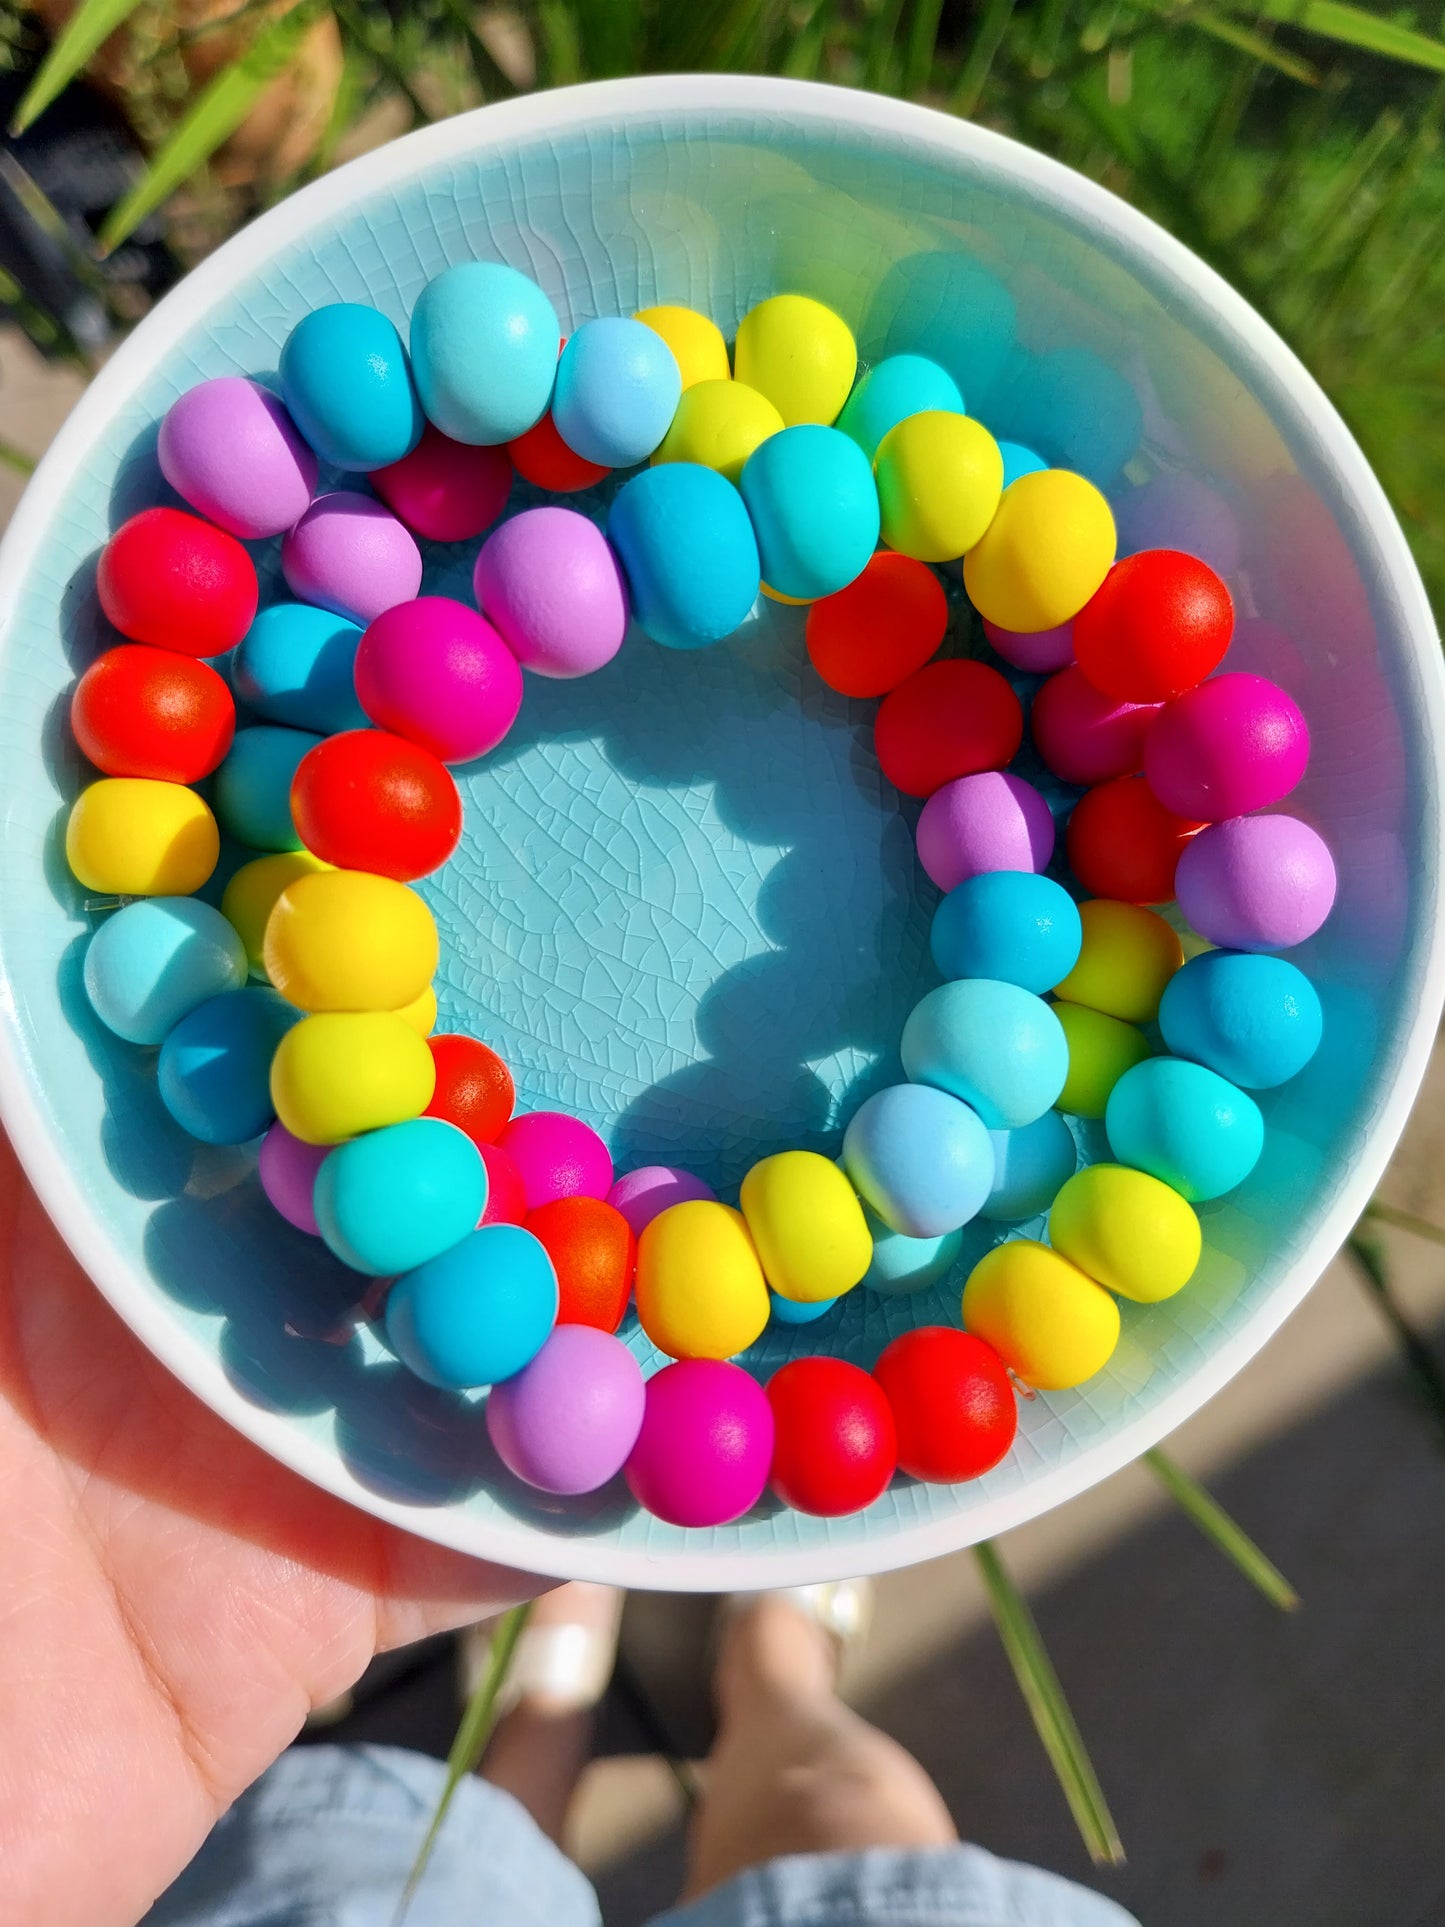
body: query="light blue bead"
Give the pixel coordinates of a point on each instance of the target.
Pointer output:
(617, 391)
(478, 1313)
(1071, 405)
(296, 664)
(1185, 1125)
(215, 1067)
(999, 1048)
(1010, 925)
(948, 306)
(814, 507)
(253, 785)
(919, 1158)
(1256, 1020)
(345, 379)
(391, 1199)
(687, 550)
(155, 961)
(1018, 460)
(902, 1265)
(790, 1311)
(1030, 1166)
(891, 391)
(484, 343)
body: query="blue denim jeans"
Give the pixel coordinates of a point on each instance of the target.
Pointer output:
(327, 1837)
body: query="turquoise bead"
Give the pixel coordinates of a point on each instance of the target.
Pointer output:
(295, 665)
(253, 785)
(903, 1265)
(157, 960)
(617, 391)
(1018, 460)
(794, 1311)
(891, 391)
(919, 1159)
(478, 1313)
(214, 1071)
(814, 509)
(1011, 925)
(999, 1048)
(687, 551)
(345, 380)
(484, 343)
(1254, 1019)
(1030, 1166)
(1184, 1125)
(391, 1199)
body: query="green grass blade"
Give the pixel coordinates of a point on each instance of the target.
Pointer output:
(1203, 1510)
(1220, 27)
(988, 36)
(1353, 27)
(472, 1735)
(92, 23)
(921, 44)
(1370, 1258)
(489, 77)
(1049, 1710)
(216, 113)
(16, 458)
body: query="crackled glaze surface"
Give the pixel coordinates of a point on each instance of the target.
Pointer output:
(686, 905)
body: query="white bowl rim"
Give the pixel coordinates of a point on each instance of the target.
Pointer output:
(894, 122)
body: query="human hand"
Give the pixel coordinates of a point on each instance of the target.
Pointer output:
(172, 1602)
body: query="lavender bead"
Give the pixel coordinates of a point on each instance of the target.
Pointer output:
(1256, 883)
(229, 448)
(287, 1169)
(991, 821)
(548, 582)
(350, 555)
(641, 1195)
(1039, 652)
(568, 1420)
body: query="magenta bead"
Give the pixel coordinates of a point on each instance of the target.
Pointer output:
(557, 1157)
(1256, 883)
(550, 583)
(567, 1422)
(1235, 744)
(350, 555)
(436, 672)
(1084, 736)
(992, 821)
(706, 1445)
(446, 490)
(1039, 651)
(287, 1170)
(641, 1195)
(229, 448)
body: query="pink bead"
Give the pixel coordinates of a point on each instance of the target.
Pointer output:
(446, 490)
(229, 448)
(549, 581)
(991, 821)
(557, 1157)
(435, 672)
(1256, 883)
(506, 1195)
(642, 1194)
(1039, 652)
(350, 555)
(287, 1170)
(567, 1422)
(1085, 737)
(706, 1445)
(1235, 744)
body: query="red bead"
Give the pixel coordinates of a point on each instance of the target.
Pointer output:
(835, 1444)
(1084, 736)
(871, 636)
(594, 1255)
(542, 458)
(1123, 843)
(506, 1193)
(367, 800)
(952, 1400)
(474, 1088)
(444, 490)
(139, 711)
(949, 719)
(1159, 624)
(171, 579)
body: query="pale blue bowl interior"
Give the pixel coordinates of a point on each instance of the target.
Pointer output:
(686, 906)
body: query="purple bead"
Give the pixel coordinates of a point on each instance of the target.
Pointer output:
(288, 1170)
(1039, 652)
(550, 584)
(1256, 883)
(567, 1421)
(350, 555)
(1234, 745)
(991, 821)
(641, 1195)
(1179, 511)
(229, 448)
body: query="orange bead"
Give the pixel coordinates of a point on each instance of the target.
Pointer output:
(1123, 843)
(594, 1255)
(871, 636)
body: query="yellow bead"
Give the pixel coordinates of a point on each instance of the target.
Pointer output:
(697, 344)
(700, 1288)
(132, 837)
(1044, 1317)
(421, 1012)
(251, 895)
(792, 601)
(1045, 552)
(719, 424)
(939, 480)
(1128, 1231)
(1128, 956)
(348, 940)
(800, 355)
(344, 1072)
(1101, 1049)
(808, 1226)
